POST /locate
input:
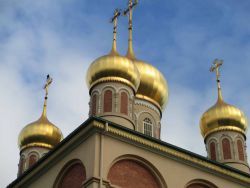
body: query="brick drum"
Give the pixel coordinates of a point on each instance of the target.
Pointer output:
(226, 149)
(74, 177)
(124, 103)
(108, 101)
(130, 174)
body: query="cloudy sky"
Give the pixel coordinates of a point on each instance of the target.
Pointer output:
(62, 38)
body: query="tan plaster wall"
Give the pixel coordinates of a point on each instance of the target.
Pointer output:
(107, 149)
(85, 152)
(175, 174)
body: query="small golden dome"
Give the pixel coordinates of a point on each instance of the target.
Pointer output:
(41, 133)
(153, 86)
(222, 116)
(113, 67)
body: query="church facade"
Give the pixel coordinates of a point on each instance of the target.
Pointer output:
(119, 144)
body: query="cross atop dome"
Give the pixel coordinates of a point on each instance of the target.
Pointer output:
(216, 68)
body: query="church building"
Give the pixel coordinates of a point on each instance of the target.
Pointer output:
(119, 145)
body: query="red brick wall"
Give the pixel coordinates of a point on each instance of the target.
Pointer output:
(73, 177)
(93, 105)
(124, 103)
(226, 148)
(130, 174)
(32, 160)
(212, 151)
(240, 150)
(107, 101)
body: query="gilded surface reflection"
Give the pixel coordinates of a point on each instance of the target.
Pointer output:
(113, 66)
(152, 84)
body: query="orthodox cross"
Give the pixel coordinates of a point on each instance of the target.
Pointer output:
(46, 86)
(215, 68)
(113, 20)
(129, 10)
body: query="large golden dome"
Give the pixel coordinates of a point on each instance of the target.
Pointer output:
(41, 133)
(153, 86)
(113, 67)
(222, 116)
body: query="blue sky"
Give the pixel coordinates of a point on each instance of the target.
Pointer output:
(62, 38)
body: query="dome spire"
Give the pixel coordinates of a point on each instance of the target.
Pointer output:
(215, 68)
(129, 11)
(114, 20)
(46, 88)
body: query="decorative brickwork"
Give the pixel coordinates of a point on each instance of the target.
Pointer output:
(107, 106)
(240, 150)
(226, 148)
(93, 106)
(124, 103)
(32, 160)
(212, 151)
(131, 174)
(73, 177)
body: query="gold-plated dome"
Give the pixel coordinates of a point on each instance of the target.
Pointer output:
(113, 67)
(41, 133)
(222, 116)
(153, 86)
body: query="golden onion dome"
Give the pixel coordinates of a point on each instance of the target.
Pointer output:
(113, 67)
(153, 86)
(41, 133)
(222, 116)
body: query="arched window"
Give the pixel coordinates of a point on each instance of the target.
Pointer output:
(200, 183)
(72, 175)
(240, 150)
(130, 173)
(32, 160)
(21, 165)
(107, 101)
(147, 126)
(93, 106)
(124, 103)
(226, 148)
(212, 151)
